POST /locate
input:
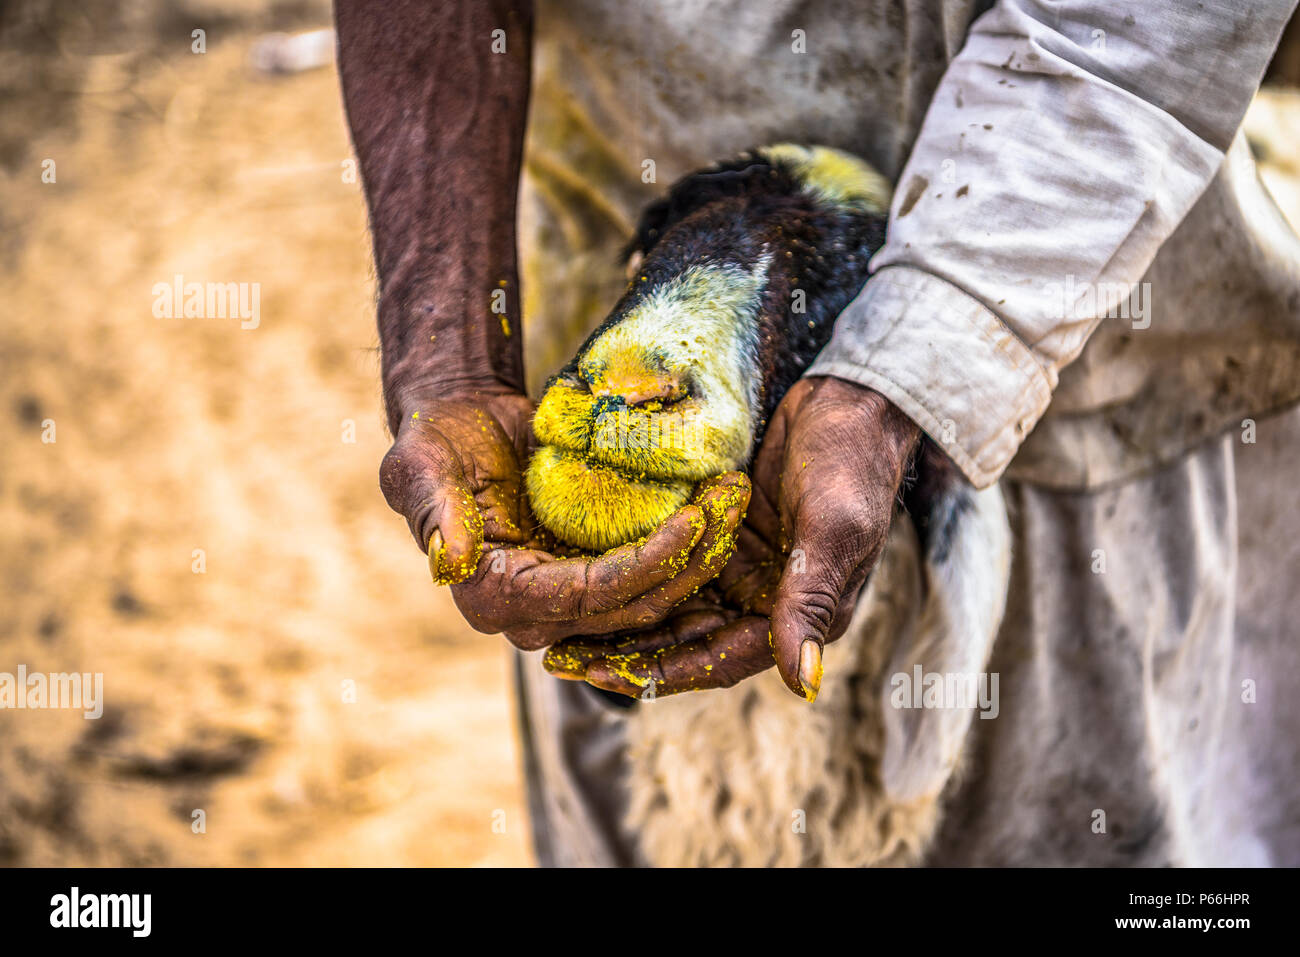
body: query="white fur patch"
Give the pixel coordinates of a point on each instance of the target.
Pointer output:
(834, 177)
(753, 776)
(702, 327)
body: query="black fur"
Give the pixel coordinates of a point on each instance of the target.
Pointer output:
(938, 498)
(735, 213)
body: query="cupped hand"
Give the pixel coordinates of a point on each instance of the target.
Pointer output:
(826, 479)
(455, 473)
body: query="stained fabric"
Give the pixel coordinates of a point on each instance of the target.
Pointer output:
(1122, 691)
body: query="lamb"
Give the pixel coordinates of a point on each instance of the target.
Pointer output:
(737, 277)
(742, 271)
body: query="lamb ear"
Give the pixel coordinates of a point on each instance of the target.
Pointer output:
(697, 189)
(965, 574)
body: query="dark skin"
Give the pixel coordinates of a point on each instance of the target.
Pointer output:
(437, 121)
(825, 482)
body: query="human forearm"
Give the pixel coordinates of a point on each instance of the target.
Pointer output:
(437, 119)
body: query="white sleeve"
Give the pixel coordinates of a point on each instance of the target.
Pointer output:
(1062, 147)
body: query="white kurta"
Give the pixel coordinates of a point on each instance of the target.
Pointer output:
(1060, 158)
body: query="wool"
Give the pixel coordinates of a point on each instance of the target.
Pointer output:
(594, 507)
(753, 776)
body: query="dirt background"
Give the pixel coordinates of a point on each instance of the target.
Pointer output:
(224, 687)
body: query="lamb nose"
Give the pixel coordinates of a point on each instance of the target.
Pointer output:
(641, 389)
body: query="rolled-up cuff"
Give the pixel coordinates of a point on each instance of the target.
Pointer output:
(947, 361)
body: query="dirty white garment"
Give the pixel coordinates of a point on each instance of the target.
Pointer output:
(1120, 735)
(1065, 144)
(1124, 686)
(1148, 669)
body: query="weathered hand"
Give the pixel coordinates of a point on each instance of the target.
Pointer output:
(454, 473)
(827, 476)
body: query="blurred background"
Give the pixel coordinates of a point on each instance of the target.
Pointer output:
(191, 507)
(259, 447)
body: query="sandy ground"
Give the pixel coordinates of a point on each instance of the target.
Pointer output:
(205, 528)
(224, 686)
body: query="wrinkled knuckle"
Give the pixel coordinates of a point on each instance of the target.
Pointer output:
(652, 609)
(603, 590)
(599, 581)
(588, 600)
(820, 602)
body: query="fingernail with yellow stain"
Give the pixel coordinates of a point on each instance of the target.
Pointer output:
(435, 557)
(810, 668)
(567, 663)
